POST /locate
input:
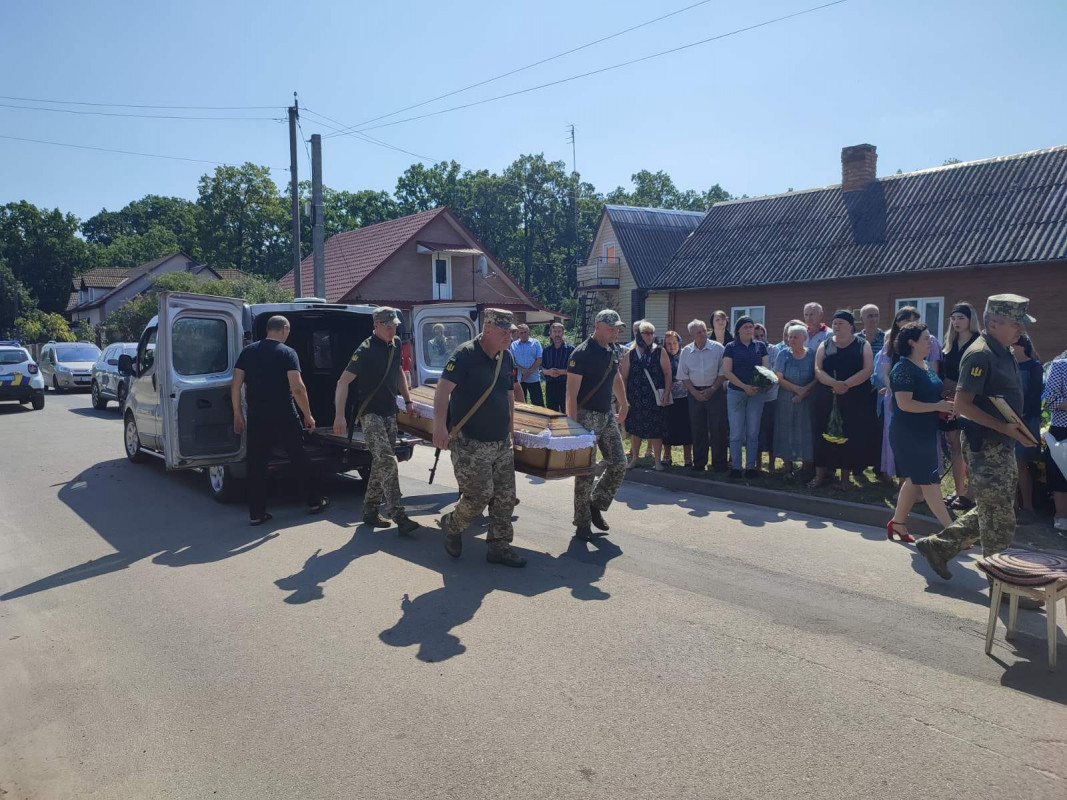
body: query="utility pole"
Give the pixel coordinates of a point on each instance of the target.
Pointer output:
(294, 190)
(574, 227)
(317, 230)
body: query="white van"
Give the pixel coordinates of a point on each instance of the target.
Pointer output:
(178, 406)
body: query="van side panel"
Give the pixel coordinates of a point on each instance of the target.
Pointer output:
(205, 422)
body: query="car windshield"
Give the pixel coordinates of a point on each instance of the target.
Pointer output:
(85, 352)
(129, 349)
(13, 356)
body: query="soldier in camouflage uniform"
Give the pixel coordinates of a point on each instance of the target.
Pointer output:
(988, 369)
(479, 378)
(376, 372)
(592, 377)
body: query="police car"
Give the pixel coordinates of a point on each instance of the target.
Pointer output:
(20, 377)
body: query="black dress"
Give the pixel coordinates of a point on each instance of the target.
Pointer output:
(863, 430)
(676, 415)
(950, 368)
(645, 418)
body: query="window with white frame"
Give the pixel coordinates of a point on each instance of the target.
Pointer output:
(931, 311)
(756, 312)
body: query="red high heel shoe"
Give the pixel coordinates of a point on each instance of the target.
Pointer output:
(891, 531)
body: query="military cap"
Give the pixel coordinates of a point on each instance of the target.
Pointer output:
(499, 317)
(609, 317)
(1011, 306)
(386, 315)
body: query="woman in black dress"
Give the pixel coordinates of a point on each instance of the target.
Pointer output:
(646, 370)
(843, 365)
(964, 326)
(676, 414)
(719, 331)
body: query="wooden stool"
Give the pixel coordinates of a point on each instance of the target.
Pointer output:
(1024, 573)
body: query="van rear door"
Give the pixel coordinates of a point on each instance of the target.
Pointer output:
(434, 345)
(198, 342)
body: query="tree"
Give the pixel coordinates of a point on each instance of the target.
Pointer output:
(41, 326)
(42, 251)
(15, 301)
(421, 188)
(657, 190)
(129, 251)
(178, 216)
(244, 221)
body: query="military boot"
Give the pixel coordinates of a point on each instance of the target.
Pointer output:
(937, 562)
(597, 516)
(584, 532)
(504, 555)
(453, 541)
(405, 525)
(376, 520)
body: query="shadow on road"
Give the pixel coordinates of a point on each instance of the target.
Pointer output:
(427, 620)
(12, 409)
(111, 412)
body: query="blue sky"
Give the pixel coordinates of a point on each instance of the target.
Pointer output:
(758, 112)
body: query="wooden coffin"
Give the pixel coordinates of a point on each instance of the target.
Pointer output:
(536, 452)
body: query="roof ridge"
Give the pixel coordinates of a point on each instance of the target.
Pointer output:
(408, 218)
(654, 210)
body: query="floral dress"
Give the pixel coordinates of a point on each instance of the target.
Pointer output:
(645, 418)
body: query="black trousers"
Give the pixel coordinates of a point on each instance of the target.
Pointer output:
(708, 422)
(556, 394)
(532, 392)
(261, 437)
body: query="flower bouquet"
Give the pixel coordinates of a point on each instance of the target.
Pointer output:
(763, 378)
(835, 426)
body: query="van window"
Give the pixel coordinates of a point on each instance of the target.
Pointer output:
(201, 346)
(146, 351)
(322, 350)
(441, 339)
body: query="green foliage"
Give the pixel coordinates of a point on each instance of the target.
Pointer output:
(152, 213)
(244, 221)
(657, 190)
(126, 322)
(41, 326)
(83, 331)
(15, 300)
(130, 251)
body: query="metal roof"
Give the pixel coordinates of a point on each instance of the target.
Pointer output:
(648, 237)
(1011, 209)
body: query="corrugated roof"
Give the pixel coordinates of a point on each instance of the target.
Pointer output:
(351, 256)
(1011, 209)
(648, 237)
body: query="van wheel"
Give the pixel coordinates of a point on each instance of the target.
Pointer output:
(132, 440)
(99, 403)
(224, 487)
(38, 402)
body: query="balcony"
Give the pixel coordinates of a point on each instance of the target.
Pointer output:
(599, 272)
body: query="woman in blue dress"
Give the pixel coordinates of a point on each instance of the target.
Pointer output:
(917, 403)
(795, 367)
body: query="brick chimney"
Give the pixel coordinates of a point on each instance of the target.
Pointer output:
(859, 166)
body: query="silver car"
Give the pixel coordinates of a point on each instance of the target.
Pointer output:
(107, 383)
(68, 365)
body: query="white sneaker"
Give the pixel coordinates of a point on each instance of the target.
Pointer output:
(1060, 524)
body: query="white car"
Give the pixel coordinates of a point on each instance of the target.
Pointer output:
(68, 365)
(20, 377)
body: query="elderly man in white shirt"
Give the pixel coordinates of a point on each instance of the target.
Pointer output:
(818, 331)
(699, 368)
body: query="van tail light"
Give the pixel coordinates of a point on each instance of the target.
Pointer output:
(32, 368)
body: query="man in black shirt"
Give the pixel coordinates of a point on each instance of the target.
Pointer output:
(554, 362)
(592, 377)
(473, 417)
(375, 370)
(271, 373)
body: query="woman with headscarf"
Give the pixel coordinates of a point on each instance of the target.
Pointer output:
(676, 415)
(744, 401)
(646, 371)
(843, 365)
(964, 327)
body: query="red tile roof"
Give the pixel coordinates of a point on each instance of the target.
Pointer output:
(351, 256)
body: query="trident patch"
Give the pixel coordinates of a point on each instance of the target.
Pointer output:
(976, 372)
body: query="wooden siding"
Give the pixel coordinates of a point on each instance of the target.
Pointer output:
(657, 306)
(627, 285)
(1045, 284)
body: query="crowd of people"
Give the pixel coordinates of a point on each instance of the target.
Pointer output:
(826, 402)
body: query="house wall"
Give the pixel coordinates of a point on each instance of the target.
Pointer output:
(657, 311)
(618, 299)
(407, 276)
(1045, 284)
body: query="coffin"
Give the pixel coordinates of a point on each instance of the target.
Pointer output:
(548, 444)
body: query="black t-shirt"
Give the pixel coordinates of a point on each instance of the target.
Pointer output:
(472, 372)
(368, 364)
(266, 365)
(591, 361)
(951, 365)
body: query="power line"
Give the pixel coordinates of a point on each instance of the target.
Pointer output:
(728, 34)
(366, 138)
(530, 66)
(126, 152)
(132, 105)
(120, 114)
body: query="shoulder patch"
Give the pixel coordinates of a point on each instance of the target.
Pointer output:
(976, 372)
(572, 363)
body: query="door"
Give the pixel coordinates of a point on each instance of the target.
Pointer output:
(143, 397)
(437, 331)
(199, 340)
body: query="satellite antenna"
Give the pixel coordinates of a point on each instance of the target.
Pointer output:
(483, 266)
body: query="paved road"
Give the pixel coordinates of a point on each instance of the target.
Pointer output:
(153, 645)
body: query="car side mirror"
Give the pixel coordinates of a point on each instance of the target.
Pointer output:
(125, 363)
(112, 362)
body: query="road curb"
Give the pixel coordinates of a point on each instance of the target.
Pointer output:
(812, 505)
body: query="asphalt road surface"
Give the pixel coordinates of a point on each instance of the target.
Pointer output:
(152, 644)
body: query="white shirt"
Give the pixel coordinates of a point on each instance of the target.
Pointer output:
(701, 367)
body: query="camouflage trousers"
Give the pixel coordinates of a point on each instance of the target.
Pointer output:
(601, 491)
(384, 483)
(993, 475)
(485, 472)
